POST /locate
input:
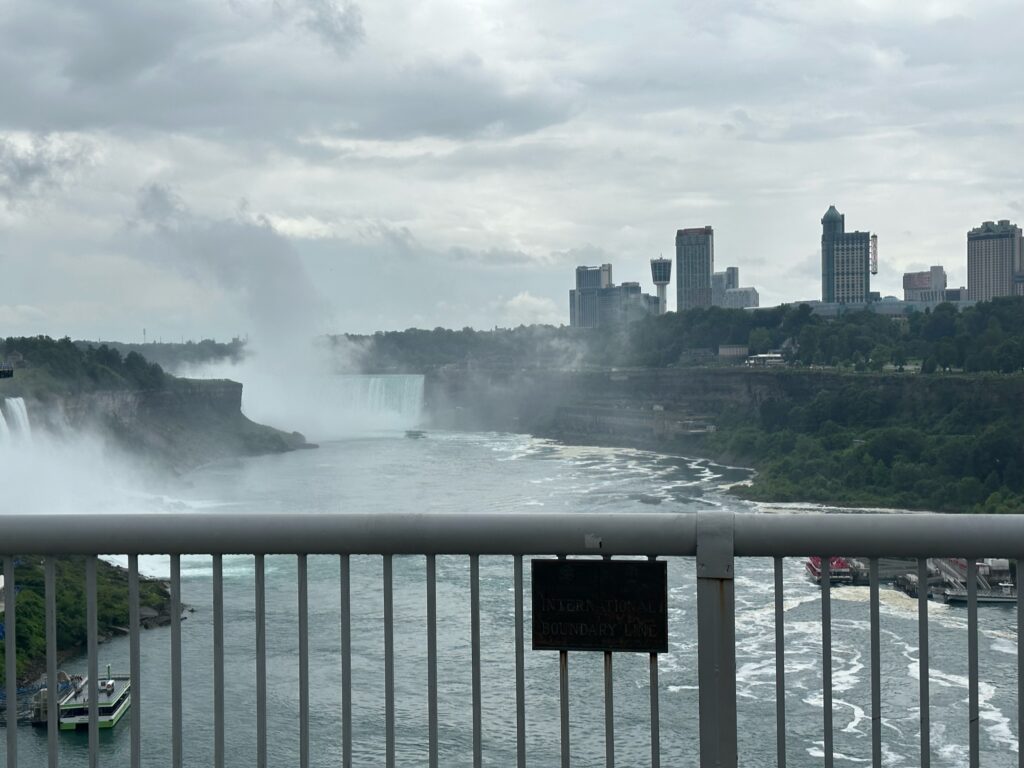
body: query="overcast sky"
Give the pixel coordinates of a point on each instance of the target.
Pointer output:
(212, 168)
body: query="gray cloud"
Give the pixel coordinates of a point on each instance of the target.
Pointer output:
(39, 164)
(493, 257)
(247, 258)
(115, 41)
(339, 24)
(198, 67)
(429, 166)
(453, 98)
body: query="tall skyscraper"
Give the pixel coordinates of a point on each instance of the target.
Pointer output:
(695, 261)
(994, 266)
(584, 299)
(661, 274)
(848, 259)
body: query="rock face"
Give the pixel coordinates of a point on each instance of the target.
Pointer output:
(187, 423)
(647, 408)
(658, 407)
(665, 400)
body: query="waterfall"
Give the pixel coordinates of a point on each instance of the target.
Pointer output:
(5, 431)
(387, 401)
(19, 418)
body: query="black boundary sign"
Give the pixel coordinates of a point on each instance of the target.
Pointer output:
(600, 605)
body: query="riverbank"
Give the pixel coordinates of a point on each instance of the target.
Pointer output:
(112, 614)
(945, 442)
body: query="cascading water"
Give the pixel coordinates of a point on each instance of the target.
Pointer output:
(391, 401)
(5, 431)
(20, 424)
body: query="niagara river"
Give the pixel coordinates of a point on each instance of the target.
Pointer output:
(482, 473)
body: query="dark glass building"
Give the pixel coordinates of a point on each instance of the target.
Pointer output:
(583, 300)
(695, 261)
(846, 261)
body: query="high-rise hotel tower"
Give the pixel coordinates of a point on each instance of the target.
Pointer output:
(848, 259)
(695, 261)
(994, 261)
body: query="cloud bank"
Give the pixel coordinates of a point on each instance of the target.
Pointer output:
(354, 166)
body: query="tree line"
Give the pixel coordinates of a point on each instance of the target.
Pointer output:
(63, 365)
(986, 337)
(861, 441)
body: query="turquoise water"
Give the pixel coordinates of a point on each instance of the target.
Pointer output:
(484, 473)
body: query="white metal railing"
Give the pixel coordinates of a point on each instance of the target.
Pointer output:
(714, 538)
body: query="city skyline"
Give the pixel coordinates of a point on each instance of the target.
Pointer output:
(348, 166)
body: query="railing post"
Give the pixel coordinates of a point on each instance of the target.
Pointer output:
(716, 640)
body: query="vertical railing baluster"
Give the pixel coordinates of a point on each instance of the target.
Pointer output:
(563, 700)
(876, 667)
(261, 661)
(474, 591)
(563, 697)
(609, 713)
(389, 663)
(52, 715)
(303, 589)
(346, 662)
(826, 656)
(176, 692)
(923, 661)
(652, 663)
(609, 707)
(92, 648)
(11, 660)
(218, 661)
(135, 659)
(1020, 665)
(780, 668)
(972, 660)
(520, 666)
(432, 756)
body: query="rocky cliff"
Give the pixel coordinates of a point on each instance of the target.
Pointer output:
(667, 406)
(187, 423)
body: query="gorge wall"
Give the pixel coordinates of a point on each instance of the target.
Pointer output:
(672, 406)
(187, 423)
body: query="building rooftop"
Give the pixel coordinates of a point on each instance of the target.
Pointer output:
(1004, 227)
(831, 215)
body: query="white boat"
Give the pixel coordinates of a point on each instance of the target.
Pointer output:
(113, 698)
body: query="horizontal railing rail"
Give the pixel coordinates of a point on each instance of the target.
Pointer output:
(715, 539)
(662, 534)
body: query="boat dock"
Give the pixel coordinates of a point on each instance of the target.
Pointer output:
(113, 698)
(947, 577)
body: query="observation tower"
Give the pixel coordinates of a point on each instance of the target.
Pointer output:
(661, 273)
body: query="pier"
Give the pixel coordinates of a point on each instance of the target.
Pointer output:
(947, 578)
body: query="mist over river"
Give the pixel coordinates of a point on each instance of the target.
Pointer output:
(483, 473)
